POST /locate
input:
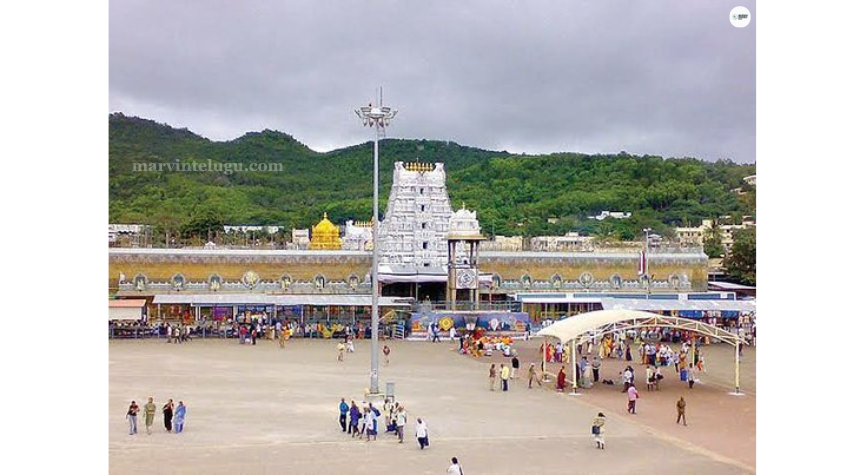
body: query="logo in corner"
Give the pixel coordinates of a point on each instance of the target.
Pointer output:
(740, 17)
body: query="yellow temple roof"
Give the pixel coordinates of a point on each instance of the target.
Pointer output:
(325, 236)
(325, 226)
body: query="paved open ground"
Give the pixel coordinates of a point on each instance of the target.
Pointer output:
(262, 410)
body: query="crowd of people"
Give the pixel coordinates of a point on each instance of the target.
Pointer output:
(362, 422)
(172, 417)
(177, 333)
(477, 344)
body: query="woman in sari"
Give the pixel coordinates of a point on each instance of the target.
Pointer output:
(179, 417)
(167, 414)
(560, 380)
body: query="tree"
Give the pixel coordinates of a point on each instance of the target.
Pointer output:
(203, 224)
(712, 241)
(741, 263)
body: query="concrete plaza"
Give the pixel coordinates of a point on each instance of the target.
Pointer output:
(262, 409)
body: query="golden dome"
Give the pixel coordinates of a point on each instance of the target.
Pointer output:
(325, 236)
(325, 226)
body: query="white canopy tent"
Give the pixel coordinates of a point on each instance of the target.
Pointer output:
(582, 327)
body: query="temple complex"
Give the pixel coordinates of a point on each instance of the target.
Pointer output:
(332, 279)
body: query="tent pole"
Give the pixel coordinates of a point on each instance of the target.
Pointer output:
(574, 365)
(736, 351)
(692, 351)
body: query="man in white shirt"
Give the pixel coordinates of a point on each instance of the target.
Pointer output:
(422, 433)
(627, 377)
(455, 468)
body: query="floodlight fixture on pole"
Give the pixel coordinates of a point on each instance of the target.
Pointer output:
(377, 116)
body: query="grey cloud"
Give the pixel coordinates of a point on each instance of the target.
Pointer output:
(673, 78)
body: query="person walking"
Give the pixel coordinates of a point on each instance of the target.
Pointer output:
(632, 399)
(422, 433)
(354, 418)
(386, 350)
(596, 369)
(179, 417)
(598, 430)
(506, 374)
(493, 374)
(167, 414)
(680, 409)
(343, 411)
(389, 421)
(650, 378)
(533, 375)
(455, 468)
(587, 377)
(560, 380)
(364, 418)
(515, 364)
(372, 423)
(582, 366)
(690, 376)
(401, 417)
(149, 414)
(132, 417)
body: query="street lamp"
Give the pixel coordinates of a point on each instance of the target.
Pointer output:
(379, 117)
(646, 262)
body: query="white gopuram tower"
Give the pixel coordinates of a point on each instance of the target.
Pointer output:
(413, 235)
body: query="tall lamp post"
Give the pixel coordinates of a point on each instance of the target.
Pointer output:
(378, 116)
(646, 262)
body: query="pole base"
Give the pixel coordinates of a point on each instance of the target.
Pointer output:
(736, 393)
(373, 397)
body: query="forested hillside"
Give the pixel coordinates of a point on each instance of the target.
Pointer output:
(513, 194)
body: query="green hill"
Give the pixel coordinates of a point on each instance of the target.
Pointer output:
(513, 194)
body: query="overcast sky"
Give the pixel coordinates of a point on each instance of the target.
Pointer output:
(672, 78)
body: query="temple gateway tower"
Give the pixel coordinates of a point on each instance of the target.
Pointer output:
(414, 233)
